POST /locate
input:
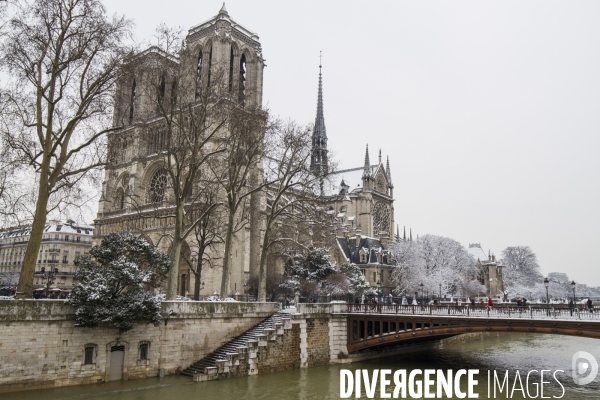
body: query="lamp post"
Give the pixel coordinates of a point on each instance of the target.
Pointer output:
(421, 285)
(547, 283)
(49, 276)
(440, 293)
(573, 286)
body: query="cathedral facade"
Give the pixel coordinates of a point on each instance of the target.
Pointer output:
(135, 189)
(136, 185)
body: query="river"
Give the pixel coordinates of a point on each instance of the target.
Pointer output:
(513, 352)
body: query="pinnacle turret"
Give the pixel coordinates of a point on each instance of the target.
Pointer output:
(367, 167)
(388, 172)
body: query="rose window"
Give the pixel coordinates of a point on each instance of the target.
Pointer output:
(159, 186)
(381, 217)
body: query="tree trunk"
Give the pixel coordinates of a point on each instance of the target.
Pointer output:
(176, 254)
(198, 277)
(262, 271)
(227, 256)
(25, 286)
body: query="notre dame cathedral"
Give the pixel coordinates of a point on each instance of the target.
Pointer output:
(359, 200)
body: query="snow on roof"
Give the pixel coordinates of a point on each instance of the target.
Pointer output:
(477, 252)
(53, 226)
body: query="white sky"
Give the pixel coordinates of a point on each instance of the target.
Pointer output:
(489, 111)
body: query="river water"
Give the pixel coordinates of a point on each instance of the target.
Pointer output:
(512, 352)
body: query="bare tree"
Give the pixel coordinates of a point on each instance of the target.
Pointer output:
(208, 235)
(293, 189)
(63, 58)
(240, 173)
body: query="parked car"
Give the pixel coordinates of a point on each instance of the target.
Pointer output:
(229, 299)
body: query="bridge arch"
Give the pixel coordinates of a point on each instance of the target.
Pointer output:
(371, 329)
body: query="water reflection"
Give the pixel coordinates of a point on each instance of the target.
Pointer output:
(512, 352)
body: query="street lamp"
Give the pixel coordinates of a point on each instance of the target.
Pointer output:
(573, 286)
(547, 283)
(440, 293)
(421, 285)
(49, 277)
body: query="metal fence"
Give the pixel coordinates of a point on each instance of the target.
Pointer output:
(540, 311)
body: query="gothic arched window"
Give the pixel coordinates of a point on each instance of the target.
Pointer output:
(174, 93)
(209, 65)
(161, 89)
(242, 84)
(198, 74)
(132, 102)
(231, 70)
(158, 186)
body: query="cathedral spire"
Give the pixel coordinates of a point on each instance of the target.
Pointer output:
(367, 162)
(387, 170)
(318, 162)
(379, 156)
(405, 233)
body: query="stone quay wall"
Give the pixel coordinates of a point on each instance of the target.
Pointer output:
(40, 346)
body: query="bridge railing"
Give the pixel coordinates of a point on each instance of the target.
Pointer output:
(505, 311)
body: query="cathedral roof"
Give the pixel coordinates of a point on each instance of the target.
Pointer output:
(351, 177)
(478, 253)
(371, 245)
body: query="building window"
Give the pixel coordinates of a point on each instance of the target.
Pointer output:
(242, 82)
(209, 65)
(132, 101)
(144, 350)
(158, 186)
(198, 75)
(89, 354)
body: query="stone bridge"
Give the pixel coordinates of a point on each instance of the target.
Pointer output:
(373, 326)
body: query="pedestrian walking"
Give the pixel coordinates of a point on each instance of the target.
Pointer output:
(590, 305)
(490, 302)
(472, 302)
(571, 306)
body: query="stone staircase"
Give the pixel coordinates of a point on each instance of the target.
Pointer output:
(233, 357)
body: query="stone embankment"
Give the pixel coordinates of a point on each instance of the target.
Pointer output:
(40, 346)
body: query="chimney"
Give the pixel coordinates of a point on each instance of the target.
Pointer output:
(358, 237)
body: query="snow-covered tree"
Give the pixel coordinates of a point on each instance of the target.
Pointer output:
(115, 282)
(357, 283)
(522, 275)
(310, 272)
(520, 266)
(432, 260)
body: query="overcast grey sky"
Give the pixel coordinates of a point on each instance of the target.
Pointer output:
(489, 111)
